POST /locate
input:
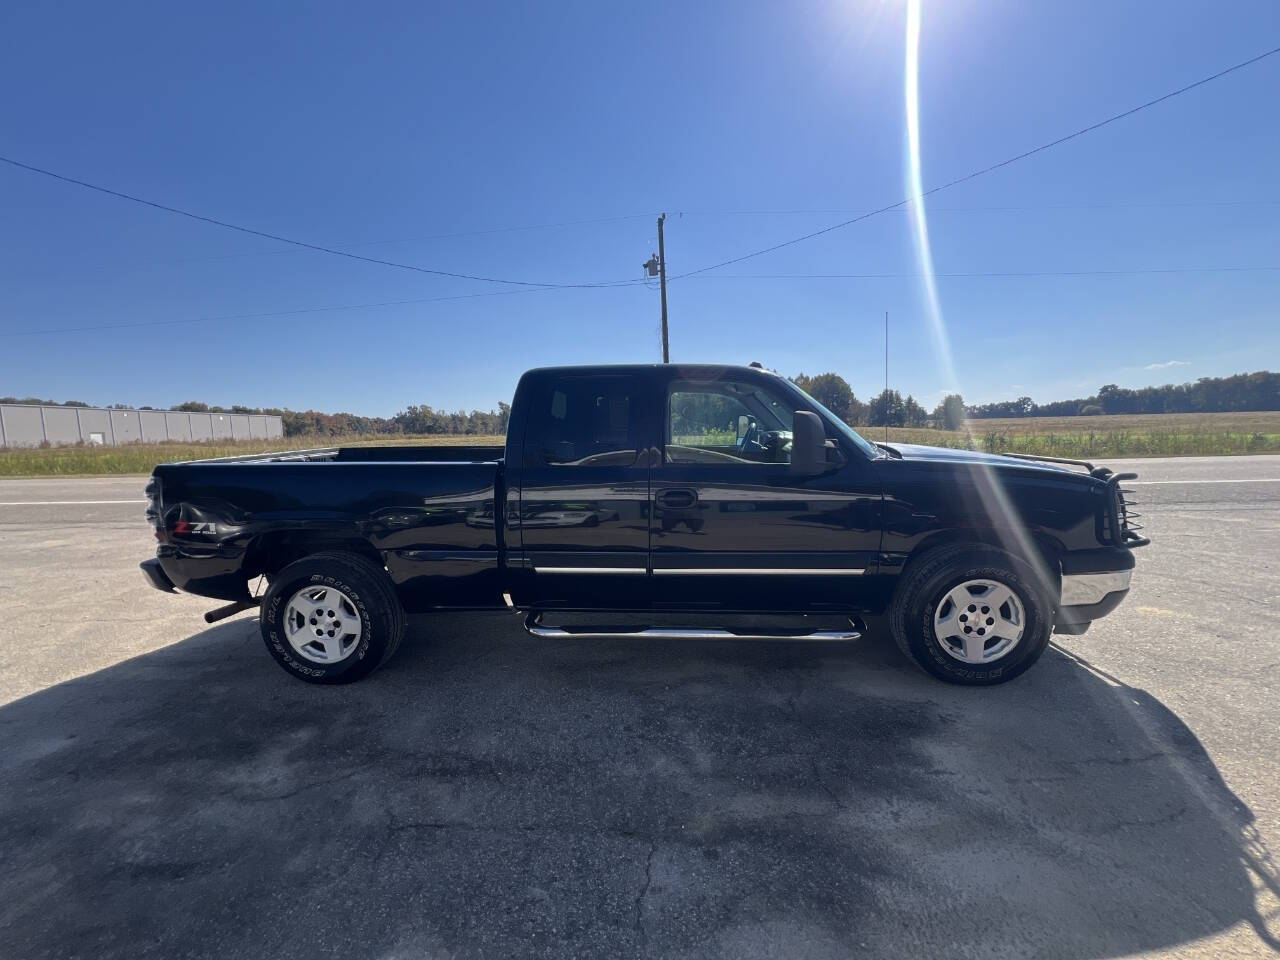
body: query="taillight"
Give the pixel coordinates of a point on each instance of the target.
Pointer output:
(153, 506)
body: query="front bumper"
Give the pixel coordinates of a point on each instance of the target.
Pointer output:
(1086, 589)
(1088, 596)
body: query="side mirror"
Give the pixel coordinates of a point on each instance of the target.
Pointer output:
(808, 444)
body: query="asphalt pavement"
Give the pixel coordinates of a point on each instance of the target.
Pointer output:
(167, 791)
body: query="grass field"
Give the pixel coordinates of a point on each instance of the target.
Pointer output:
(1132, 435)
(1148, 435)
(1153, 435)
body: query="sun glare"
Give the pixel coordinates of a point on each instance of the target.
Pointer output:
(916, 205)
(1005, 518)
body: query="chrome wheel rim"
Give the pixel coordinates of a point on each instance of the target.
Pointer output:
(322, 624)
(979, 621)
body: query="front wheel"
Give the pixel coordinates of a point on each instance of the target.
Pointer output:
(331, 618)
(971, 615)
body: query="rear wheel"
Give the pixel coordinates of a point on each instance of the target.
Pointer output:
(331, 618)
(971, 615)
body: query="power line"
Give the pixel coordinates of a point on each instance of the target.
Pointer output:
(518, 229)
(985, 170)
(456, 234)
(1098, 205)
(276, 313)
(374, 243)
(333, 308)
(300, 243)
(1002, 274)
(1084, 205)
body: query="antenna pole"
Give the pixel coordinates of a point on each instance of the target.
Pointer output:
(886, 376)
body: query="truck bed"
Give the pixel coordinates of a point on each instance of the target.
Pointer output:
(431, 524)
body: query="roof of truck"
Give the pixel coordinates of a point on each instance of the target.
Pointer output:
(684, 368)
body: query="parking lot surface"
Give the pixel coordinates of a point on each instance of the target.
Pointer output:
(167, 791)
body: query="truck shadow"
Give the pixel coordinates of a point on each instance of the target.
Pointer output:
(490, 794)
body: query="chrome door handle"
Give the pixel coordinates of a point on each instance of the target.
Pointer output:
(676, 499)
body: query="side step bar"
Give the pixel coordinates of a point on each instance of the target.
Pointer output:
(533, 623)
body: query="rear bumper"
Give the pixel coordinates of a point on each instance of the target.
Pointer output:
(156, 576)
(215, 572)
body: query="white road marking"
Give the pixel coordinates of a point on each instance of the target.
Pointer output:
(60, 503)
(1152, 483)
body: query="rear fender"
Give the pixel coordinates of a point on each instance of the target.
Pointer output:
(272, 552)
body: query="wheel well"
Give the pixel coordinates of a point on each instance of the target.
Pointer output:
(1048, 551)
(272, 552)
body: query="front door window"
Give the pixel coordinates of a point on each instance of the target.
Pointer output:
(734, 424)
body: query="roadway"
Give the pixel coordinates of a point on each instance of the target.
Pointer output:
(166, 790)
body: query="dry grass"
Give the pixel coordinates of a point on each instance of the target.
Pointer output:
(1132, 435)
(1265, 422)
(141, 458)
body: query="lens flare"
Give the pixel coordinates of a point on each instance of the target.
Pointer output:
(915, 206)
(1008, 529)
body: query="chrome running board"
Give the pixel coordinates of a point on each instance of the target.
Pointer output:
(533, 623)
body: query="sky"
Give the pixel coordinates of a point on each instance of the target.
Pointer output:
(538, 142)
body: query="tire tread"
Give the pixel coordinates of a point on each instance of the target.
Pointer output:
(904, 611)
(385, 597)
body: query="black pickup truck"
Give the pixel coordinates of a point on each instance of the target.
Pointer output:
(647, 493)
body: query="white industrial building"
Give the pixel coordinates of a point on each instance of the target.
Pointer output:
(23, 425)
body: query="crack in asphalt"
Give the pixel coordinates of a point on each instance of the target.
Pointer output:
(818, 779)
(297, 790)
(1153, 822)
(1091, 762)
(644, 890)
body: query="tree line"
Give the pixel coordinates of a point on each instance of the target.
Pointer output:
(37, 402)
(413, 420)
(887, 408)
(1239, 392)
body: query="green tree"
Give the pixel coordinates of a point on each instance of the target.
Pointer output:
(949, 414)
(886, 409)
(833, 392)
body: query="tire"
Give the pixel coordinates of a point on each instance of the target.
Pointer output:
(952, 571)
(364, 598)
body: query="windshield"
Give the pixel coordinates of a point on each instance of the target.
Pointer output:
(846, 431)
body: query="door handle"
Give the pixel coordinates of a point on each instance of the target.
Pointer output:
(679, 498)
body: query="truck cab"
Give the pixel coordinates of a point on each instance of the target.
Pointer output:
(674, 487)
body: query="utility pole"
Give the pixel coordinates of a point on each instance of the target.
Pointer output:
(886, 376)
(657, 267)
(662, 282)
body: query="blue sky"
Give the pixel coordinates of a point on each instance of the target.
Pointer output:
(424, 132)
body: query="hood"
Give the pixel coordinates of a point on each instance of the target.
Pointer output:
(914, 451)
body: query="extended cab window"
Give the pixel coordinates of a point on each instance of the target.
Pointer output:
(727, 422)
(582, 422)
